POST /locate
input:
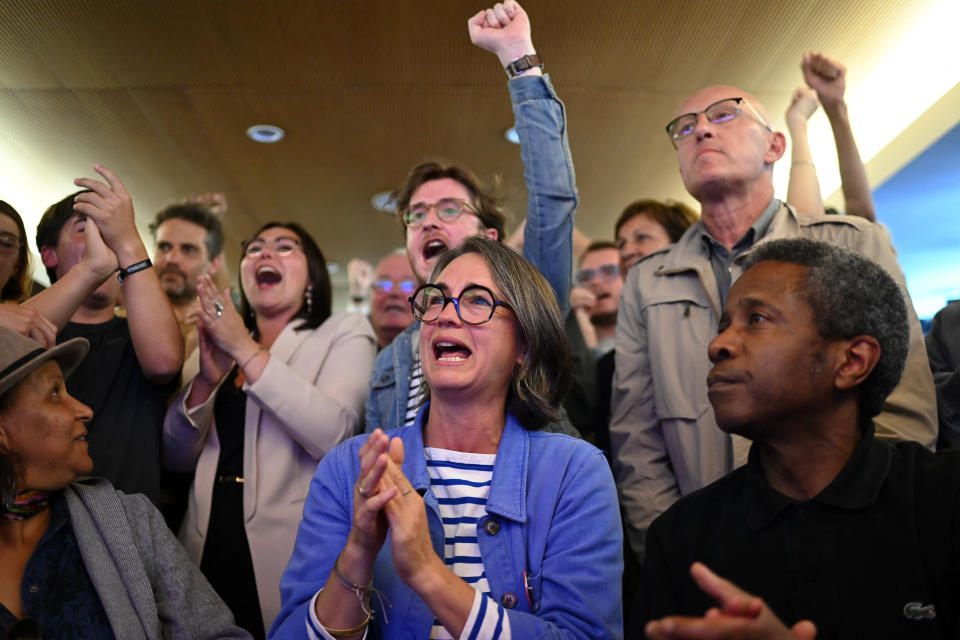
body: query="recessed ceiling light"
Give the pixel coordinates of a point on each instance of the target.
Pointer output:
(266, 133)
(383, 201)
(511, 135)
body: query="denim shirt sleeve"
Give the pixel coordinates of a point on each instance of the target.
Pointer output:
(540, 121)
(390, 383)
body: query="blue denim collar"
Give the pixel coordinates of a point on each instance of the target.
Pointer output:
(508, 489)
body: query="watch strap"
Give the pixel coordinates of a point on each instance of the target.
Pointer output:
(522, 64)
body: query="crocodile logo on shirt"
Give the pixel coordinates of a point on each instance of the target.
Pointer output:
(919, 611)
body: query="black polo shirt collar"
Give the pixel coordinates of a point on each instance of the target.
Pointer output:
(856, 486)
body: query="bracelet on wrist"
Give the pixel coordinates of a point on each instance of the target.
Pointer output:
(364, 593)
(250, 359)
(347, 633)
(132, 269)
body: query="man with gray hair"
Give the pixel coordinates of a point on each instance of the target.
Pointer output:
(813, 338)
(664, 435)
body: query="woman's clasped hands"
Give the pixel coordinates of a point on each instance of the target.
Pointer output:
(385, 499)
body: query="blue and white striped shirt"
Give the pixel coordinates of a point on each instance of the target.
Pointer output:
(461, 483)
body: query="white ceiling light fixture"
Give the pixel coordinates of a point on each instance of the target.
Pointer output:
(384, 201)
(511, 135)
(266, 133)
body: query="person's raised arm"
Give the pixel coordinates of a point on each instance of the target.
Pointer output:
(60, 301)
(803, 190)
(540, 122)
(504, 30)
(153, 326)
(828, 78)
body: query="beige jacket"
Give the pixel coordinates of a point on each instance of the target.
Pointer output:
(665, 440)
(308, 398)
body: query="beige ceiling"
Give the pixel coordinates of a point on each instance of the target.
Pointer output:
(162, 91)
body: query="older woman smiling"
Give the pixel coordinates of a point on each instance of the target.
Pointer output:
(79, 558)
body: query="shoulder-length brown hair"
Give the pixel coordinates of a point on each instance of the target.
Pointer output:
(539, 383)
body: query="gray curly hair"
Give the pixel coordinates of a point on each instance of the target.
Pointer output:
(850, 295)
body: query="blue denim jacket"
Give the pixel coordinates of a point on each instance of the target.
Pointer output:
(386, 405)
(552, 513)
(540, 120)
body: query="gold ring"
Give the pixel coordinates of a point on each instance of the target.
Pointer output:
(362, 492)
(405, 493)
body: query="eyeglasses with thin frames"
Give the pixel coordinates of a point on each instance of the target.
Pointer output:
(9, 243)
(720, 112)
(386, 285)
(605, 272)
(448, 210)
(475, 304)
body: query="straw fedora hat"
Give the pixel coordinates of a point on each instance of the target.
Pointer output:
(20, 356)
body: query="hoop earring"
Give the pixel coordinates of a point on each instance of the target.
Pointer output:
(308, 297)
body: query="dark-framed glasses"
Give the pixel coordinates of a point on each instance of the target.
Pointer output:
(448, 210)
(386, 285)
(280, 247)
(720, 112)
(605, 272)
(9, 243)
(474, 305)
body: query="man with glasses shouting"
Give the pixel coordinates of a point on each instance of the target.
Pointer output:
(440, 206)
(664, 436)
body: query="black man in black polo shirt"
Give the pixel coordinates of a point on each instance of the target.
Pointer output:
(825, 523)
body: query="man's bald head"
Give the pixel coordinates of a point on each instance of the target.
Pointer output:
(729, 156)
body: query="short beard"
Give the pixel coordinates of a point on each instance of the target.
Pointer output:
(604, 320)
(184, 297)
